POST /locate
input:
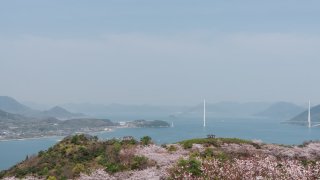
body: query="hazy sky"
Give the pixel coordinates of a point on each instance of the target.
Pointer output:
(160, 52)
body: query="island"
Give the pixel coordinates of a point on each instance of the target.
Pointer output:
(146, 124)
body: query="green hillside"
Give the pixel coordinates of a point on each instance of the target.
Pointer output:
(77, 154)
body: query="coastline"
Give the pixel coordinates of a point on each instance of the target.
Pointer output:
(62, 136)
(57, 136)
(31, 138)
(109, 129)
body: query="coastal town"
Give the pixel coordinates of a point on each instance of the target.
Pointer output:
(54, 127)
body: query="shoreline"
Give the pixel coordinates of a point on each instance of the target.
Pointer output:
(31, 138)
(52, 136)
(62, 136)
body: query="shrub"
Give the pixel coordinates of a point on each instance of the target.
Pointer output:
(145, 140)
(41, 153)
(50, 149)
(139, 162)
(221, 156)
(44, 171)
(126, 156)
(187, 145)
(101, 160)
(117, 146)
(111, 141)
(208, 152)
(164, 146)
(95, 138)
(305, 162)
(84, 154)
(131, 142)
(172, 148)
(113, 167)
(191, 165)
(194, 154)
(75, 139)
(113, 151)
(78, 168)
(20, 173)
(2, 173)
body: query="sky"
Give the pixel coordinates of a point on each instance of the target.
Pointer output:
(160, 52)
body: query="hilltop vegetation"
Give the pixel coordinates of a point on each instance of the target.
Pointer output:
(215, 142)
(85, 157)
(81, 154)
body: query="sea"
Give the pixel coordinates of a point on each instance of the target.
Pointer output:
(265, 130)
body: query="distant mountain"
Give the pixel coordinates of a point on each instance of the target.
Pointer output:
(11, 105)
(281, 110)
(302, 118)
(6, 116)
(227, 109)
(60, 113)
(86, 123)
(220, 109)
(38, 106)
(124, 112)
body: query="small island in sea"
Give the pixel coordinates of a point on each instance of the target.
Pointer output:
(146, 124)
(85, 157)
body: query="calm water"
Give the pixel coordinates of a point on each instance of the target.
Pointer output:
(270, 131)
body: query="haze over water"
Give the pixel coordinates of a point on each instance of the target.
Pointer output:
(159, 52)
(166, 53)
